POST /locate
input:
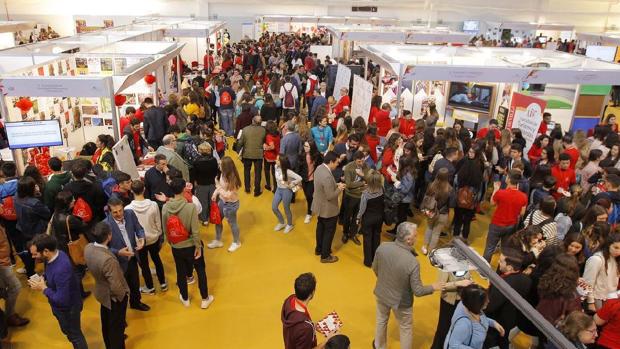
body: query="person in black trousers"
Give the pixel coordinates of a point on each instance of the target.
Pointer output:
(469, 173)
(309, 160)
(204, 171)
(370, 215)
(155, 123)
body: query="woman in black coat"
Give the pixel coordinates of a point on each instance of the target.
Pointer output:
(469, 173)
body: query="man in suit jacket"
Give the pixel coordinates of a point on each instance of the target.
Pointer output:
(110, 286)
(155, 123)
(127, 239)
(325, 206)
(251, 141)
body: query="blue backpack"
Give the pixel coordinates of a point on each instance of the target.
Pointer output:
(614, 216)
(108, 185)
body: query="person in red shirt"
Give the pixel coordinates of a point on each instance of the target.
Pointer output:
(482, 133)
(571, 150)
(511, 203)
(542, 130)
(536, 150)
(564, 175)
(608, 317)
(375, 107)
(227, 64)
(208, 62)
(373, 141)
(406, 124)
(343, 101)
(130, 113)
(382, 118)
(309, 62)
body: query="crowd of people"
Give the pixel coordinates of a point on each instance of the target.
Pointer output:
(554, 222)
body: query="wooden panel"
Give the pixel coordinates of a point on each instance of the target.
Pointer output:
(589, 105)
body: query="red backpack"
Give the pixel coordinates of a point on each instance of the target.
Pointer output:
(82, 209)
(7, 209)
(225, 98)
(289, 101)
(176, 230)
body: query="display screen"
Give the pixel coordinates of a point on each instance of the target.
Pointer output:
(471, 26)
(30, 134)
(470, 96)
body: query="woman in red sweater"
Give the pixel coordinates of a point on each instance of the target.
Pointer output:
(373, 141)
(387, 161)
(343, 101)
(539, 144)
(406, 124)
(375, 107)
(384, 123)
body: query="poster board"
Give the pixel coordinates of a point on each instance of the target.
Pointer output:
(526, 114)
(362, 96)
(343, 79)
(124, 158)
(321, 51)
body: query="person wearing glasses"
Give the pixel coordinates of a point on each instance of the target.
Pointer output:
(579, 329)
(174, 159)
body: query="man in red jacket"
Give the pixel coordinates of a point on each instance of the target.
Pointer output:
(492, 128)
(406, 124)
(571, 150)
(564, 175)
(298, 328)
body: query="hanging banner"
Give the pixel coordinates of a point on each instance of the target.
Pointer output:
(343, 79)
(362, 96)
(526, 114)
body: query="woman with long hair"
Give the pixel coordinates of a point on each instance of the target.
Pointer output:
(538, 177)
(579, 329)
(601, 272)
(469, 173)
(612, 157)
(370, 215)
(590, 168)
(557, 289)
(405, 185)
(574, 245)
(387, 157)
(547, 157)
(517, 137)
(227, 195)
(342, 134)
(271, 148)
(310, 159)
(540, 143)
(302, 128)
(269, 110)
(66, 227)
(437, 201)
(103, 155)
(528, 243)
(34, 173)
(286, 183)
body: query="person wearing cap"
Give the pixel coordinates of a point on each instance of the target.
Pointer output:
(493, 127)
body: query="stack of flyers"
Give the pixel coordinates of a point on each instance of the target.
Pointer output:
(583, 288)
(329, 324)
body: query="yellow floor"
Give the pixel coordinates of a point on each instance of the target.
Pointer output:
(249, 287)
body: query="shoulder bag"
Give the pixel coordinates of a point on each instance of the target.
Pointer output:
(76, 247)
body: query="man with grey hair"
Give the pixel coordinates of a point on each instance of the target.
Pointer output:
(291, 144)
(174, 159)
(251, 142)
(398, 280)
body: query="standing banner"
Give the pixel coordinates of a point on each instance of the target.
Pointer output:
(343, 79)
(362, 96)
(526, 114)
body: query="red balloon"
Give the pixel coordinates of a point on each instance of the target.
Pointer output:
(24, 104)
(119, 100)
(150, 79)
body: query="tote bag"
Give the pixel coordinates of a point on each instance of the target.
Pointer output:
(215, 216)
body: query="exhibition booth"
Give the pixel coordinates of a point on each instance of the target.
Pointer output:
(603, 46)
(197, 36)
(475, 84)
(68, 101)
(8, 30)
(310, 24)
(518, 31)
(347, 39)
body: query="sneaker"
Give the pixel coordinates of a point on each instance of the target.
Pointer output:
(145, 290)
(279, 227)
(424, 250)
(164, 287)
(308, 219)
(191, 280)
(215, 244)
(21, 270)
(153, 271)
(234, 246)
(207, 302)
(205, 223)
(185, 302)
(288, 229)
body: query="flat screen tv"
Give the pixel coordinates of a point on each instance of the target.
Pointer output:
(30, 134)
(471, 26)
(469, 95)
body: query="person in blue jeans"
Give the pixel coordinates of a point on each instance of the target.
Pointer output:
(227, 190)
(286, 181)
(60, 286)
(227, 108)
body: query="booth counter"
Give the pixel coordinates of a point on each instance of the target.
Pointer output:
(476, 84)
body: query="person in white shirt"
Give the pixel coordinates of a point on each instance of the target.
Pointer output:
(149, 217)
(287, 183)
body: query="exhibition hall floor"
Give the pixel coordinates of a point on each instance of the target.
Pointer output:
(249, 286)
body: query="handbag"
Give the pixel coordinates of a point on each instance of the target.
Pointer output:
(215, 216)
(76, 247)
(465, 198)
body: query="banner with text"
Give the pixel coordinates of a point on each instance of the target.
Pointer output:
(362, 96)
(526, 114)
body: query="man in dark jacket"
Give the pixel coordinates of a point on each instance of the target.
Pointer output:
(139, 146)
(298, 329)
(55, 183)
(156, 186)
(500, 308)
(127, 239)
(155, 123)
(91, 192)
(252, 140)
